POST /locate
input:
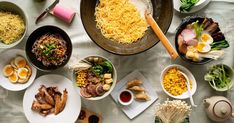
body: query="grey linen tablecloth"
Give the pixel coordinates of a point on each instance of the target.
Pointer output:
(150, 63)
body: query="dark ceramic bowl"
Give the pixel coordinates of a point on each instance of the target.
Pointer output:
(181, 27)
(37, 34)
(162, 13)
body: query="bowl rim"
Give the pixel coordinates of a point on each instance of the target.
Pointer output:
(187, 72)
(25, 18)
(186, 20)
(60, 66)
(123, 54)
(106, 93)
(232, 79)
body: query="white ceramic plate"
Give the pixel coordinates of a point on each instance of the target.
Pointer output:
(73, 104)
(190, 76)
(136, 107)
(6, 57)
(200, 5)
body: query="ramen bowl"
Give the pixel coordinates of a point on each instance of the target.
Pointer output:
(162, 13)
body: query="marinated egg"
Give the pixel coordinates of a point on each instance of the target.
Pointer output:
(20, 62)
(8, 70)
(206, 38)
(203, 47)
(13, 64)
(23, 73)
(13, 78)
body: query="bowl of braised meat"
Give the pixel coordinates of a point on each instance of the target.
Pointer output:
(95, 77)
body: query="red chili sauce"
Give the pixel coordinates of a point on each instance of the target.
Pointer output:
(125, 96)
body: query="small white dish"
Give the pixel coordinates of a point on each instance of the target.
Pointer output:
(200, 5)
(184, 95)
(6, 57)
(72, 107)
(125, 103)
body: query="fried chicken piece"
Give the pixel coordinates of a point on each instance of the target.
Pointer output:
(48, 98)
(37, 106)
(64, 100)
(58, 104)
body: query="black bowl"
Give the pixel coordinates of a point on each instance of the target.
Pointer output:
(181, 27)
(162, 13)
(38, 33)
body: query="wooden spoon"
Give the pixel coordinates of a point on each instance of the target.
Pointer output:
(166, 43)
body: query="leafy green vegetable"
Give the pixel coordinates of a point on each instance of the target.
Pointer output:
(48, 49)
(107, 66)
(219, 76)
(219, 45)
(97, 69)
(198, 28)
(187, 5)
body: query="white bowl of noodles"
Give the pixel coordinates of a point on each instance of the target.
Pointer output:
(18, 24)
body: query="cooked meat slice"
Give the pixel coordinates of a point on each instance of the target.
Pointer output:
(40, 98)
(45, 112)
(64, 100)
(58, 104)
(84, 93)
(99, 89)
(182, 45)
(37, 106)
(48, 98)
(219, 36)
(212, 28)
(91, 89)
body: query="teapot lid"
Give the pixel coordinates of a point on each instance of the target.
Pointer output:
(222, 109)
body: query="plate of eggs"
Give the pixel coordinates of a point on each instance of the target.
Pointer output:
(16, 73)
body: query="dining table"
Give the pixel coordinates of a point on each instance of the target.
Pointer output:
(150, 63)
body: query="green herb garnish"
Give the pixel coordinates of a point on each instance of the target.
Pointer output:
(187, 5)
(198, 28)
(97, 69)
(48, 49)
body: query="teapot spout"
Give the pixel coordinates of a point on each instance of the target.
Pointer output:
(206, 102)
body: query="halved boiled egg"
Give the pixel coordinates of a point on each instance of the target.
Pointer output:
(206, 38)
(8, 70)
(203, 47)
(20, 62)
(13, 78)
(22, 73)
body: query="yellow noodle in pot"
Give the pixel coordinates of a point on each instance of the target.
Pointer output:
(119, 20)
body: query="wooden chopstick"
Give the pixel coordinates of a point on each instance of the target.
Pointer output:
(166, 43)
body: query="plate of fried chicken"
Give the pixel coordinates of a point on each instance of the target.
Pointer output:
(51, 99)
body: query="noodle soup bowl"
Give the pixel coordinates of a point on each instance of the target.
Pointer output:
(15, 9)
(162, 13)
(35, 35)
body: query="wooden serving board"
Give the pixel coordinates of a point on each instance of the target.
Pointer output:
(89, 117)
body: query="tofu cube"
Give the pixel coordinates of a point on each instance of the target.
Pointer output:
(108, 81)
(107, 76)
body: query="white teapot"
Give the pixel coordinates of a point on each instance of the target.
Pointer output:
(218, 108)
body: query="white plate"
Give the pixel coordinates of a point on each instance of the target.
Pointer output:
(200, 5)
(136, 107)
(6, 57)
(184, 95)
(71, 110)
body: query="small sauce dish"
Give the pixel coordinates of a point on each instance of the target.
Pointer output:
(125, 97)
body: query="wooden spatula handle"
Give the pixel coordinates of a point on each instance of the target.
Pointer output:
(166, 43)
